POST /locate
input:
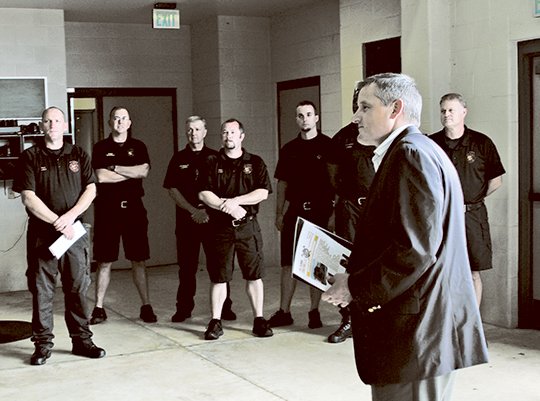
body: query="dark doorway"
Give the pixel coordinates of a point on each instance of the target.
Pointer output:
(382, 56)
(154, 121)
(529, 183)
(289, 94)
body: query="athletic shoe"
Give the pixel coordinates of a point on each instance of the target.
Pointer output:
(314, 319)
(147, 314)
(214, 330)
(98, 315)
(281, 318)
(261, 328)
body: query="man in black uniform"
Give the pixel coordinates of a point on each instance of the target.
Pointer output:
(191, 216)
(480, 171)
(121, 162)
(232, 184)
(351, 172)
(303, 190)
(57, 185)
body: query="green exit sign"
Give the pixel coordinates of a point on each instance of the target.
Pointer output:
(166, 19)
(536, 8)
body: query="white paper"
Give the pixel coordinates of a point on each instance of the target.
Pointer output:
(62, 244)
(318, 254)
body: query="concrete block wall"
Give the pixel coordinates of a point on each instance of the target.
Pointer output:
(131, 55)
(32, 45)
(362, 21)
(305, 43)
(484, 68)
(206, 77)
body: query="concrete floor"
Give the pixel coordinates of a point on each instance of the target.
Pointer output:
(171, 361)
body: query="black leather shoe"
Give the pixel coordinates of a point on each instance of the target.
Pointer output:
(314, 319)
(147, 314)
(180, 316)
(214, 330)
(341, 334)
(88, 350)
(98, 315)
(261, 328)
(40, 356)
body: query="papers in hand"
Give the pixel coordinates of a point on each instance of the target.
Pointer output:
(62, 244)
(318, 254)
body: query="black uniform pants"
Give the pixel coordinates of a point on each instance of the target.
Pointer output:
(189, 238)
(43, 269)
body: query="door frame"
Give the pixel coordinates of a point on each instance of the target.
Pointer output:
(314, 81)
(528, 307)
(100, 93)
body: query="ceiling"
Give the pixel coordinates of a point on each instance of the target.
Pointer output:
(140, 11)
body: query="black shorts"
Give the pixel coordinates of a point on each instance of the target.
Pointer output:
(224, 241)
(319, 217)
(120, 219)
(478, 239)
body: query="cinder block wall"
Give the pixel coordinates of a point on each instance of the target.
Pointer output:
(32, 45)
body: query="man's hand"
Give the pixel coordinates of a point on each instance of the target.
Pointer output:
(338, 294)
(279, 222)
(238, 213)
(200, 216)
(229, 206)
(64, 224)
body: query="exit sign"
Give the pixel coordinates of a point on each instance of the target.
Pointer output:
(166, 19)
(536, 8)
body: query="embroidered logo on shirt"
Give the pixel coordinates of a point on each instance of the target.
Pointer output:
(74, 166)
(43, 168)
(131, 152)
(248, 168)
(183, 166)
(220, 171)
(471, 157)
(110, 154)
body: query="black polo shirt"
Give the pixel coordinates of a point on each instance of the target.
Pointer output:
(107, 153)
(355, 168)
(183, 172)
(476, 159)
(58, 178)
(302, 165)
(228, 178)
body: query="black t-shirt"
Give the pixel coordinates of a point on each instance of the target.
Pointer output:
(476, 159)
(58, 178)
(228, 178)
(355, 170)
(302, 165)
(183, 172)
(107, 153)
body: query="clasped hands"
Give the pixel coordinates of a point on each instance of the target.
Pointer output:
(233, 208)
(64, 224)
(200, 216)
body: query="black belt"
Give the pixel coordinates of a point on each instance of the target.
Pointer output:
(473, 206)
(243, 220)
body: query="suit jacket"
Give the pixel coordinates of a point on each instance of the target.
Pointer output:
(414, 312)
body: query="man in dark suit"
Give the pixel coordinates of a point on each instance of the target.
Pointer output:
(409, 287)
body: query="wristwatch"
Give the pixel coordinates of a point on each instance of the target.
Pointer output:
(111, 168)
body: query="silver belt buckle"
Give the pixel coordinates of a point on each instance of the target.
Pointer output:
(236, 223)
(361, 200)
(306, 206)
(123, 204)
